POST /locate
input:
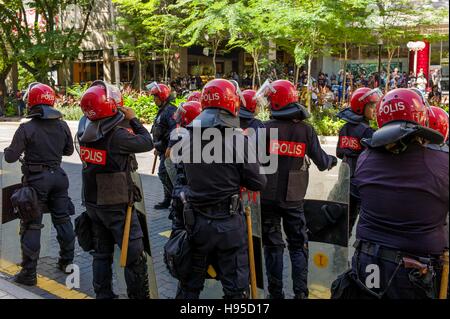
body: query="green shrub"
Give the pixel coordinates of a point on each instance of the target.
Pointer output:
(10, 109)
(77, 90)
(71, 112)
(143, 105)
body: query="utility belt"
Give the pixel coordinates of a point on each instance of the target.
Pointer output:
(398, 257)
(34, 168)
(423, 272)
(222, 210)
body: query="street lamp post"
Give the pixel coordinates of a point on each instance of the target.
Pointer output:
(415, 46)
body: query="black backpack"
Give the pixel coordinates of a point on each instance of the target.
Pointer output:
(83, 231)
(25, 203)
(177, 254)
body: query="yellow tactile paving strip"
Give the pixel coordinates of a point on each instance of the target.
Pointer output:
(44, 283)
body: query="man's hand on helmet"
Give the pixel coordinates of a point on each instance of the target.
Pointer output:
(128, 112)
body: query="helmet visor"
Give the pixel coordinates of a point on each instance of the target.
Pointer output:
(30, 86)
(179, 113)
(239, 93)
(264, 91)
(373, 96)
(153, 88)
(112, 92)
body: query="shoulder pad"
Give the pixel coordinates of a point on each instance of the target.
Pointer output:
(291, 112)
(349, 116)
(91, 131)
(215, 118)
(396, 131)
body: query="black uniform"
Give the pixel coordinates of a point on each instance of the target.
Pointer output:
(163, 125)
(408, 222)
(348, 149)
(283, 197)
(253, 123)
(218, 236)
(44, 141)
(107, 190)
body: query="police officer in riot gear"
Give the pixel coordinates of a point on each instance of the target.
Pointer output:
(438, 121)
(44, 140)
(282, 198)
(213, 214)
(107, 151)
(362, 110)
(404, 234)
(163, 125)
(195, 96)
(247, 112)
(184, 115)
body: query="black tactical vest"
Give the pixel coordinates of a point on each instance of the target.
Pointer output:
(106, 176)
(349, 145)
(287, 187)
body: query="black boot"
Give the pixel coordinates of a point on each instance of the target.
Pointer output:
(163, 205)
(26, 277)
(62, 265)
(301, 296)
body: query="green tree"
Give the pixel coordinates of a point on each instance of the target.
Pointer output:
(396, 22)
(347, 18)
(133, 33)
(249, 29)
(207, 23)
(166, 24)
(35, 33)
(149, 25)
(301, 27)
(6, 63)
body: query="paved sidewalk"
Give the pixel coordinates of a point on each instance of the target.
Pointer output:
(11, 291)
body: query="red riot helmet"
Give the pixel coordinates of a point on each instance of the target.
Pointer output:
(438, 120)
(401, 105)
(222, 94)
(39, 94)
(250, 100)
(161, 91)
(187, 112)
(251, 103)
(363, 96)
(279, 94)
(101, 100)
(195, 96)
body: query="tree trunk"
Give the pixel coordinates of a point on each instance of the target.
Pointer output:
(3, 94)
(308, 95)
(344, 81)
(391, 53)
(257, 73)
(215, 48)
(295, 75)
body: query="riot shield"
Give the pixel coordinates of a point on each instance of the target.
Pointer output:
(10, 252)
(326, 210)
(213, 287)
(120, 285)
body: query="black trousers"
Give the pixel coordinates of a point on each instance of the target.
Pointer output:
(222, 243)
(165, 179)
(107, 227)
(294, 226)
(52, 189)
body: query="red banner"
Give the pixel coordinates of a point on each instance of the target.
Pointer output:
(423, 61)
